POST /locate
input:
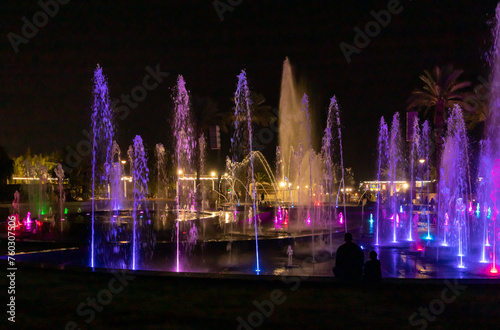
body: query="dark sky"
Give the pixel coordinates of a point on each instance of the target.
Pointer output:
(45, 91)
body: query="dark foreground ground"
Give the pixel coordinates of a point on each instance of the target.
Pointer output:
(50, 298)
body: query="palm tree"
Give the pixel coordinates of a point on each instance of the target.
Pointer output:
(479, 109)
(205, 114)
(440, 92)
(6, 166)
(261, 115)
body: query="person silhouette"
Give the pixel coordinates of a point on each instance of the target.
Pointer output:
(349, 261)
(372, 271)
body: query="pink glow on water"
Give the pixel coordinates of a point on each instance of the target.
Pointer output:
(27, 221)
(341, 218)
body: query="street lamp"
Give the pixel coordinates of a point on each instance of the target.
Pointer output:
(282, 185)
(213, 175)
(422, 161)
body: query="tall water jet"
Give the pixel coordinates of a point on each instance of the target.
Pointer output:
(339, 129)
(327, 156)
(484, 198)
(185, 145)
(60, 179)
(383, 150)
(424, 148)
(490, 154)
(291, 117)
(413, 157)
(453, 184)
(395, 157)
(161, 185)
(102, 138)
(140, 174)
(333, 159)
(243, 139)
(114, 173)
(297, 159)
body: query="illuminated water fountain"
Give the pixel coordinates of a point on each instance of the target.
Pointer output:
(489, 168)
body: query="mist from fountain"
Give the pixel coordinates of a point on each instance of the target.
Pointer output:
(114, 173)
(140, 216)
(453, 185)
(383, 151)
(185, 145)
(243, 138)
(102, 139)
(489, 157)
(415, 142)
(395, 168)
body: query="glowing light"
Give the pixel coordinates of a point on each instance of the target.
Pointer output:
(477, 210)
(27, 221)
(421, 161)
(493, 270)
(65, 210)
(371, 218)
(124, 162)
(400, 208)
(179, 172)
(282, 184)
(341, 218)
(213, 174)
(405, 186)
(489, 213)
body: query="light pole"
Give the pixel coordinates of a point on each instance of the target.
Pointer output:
(124, 181)
(213, 174)
(422, 161)
(282, 186)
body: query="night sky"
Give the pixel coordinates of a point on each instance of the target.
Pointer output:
(45, 92)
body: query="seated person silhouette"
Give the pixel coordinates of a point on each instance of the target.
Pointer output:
(373, 272)
(349, 261)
